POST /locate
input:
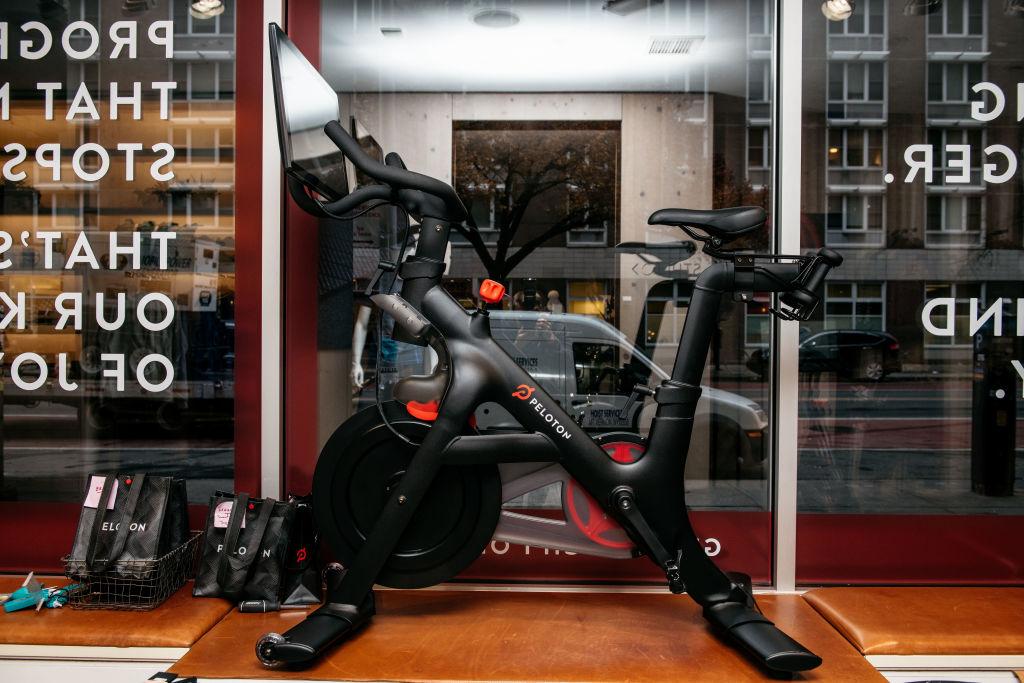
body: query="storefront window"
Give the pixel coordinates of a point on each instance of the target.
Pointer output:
(910, 468)
(117, 212)
(563, 126)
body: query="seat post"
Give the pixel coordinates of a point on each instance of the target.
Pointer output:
(701, 322)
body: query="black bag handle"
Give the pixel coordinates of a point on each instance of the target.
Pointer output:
(123, 524)
(227, 561)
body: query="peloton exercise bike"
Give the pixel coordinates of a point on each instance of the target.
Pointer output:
(410, 493)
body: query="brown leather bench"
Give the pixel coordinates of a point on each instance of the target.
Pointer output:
(443, 635)
(177, 623)
(926, 621)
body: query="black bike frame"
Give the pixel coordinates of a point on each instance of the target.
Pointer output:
(646, 497)
(481, 371)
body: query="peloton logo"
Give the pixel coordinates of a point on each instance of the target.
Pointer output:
(524, 391)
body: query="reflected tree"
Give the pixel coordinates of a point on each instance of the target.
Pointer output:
(527, 184)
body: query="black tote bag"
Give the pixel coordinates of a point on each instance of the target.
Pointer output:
(302, 582)
(243, 552)
(129, 519)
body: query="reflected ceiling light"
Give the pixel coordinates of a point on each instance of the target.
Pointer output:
(496, 18)
(675, 45)
(837, 10)
(624, 7)
(206, 9)
(917, 8)
(833, 150)
(1014, 8)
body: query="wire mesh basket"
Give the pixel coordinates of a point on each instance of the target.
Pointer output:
(136, 584)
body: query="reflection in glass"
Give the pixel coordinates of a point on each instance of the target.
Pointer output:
(560, 155)
(889, 444)
(52, 437)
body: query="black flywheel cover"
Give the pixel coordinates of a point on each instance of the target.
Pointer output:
(356, 471)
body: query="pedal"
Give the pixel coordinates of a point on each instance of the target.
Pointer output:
(626, 504)
(675, 581)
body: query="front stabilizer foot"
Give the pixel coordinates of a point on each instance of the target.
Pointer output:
(329, 625)
(760, 638)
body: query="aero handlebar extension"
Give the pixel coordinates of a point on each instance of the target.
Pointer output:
(396, 177)
(805, 295)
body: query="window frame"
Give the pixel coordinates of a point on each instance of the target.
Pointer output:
(834, 26)
(854, 299)
(966, 80)
(846, 99)
(844, 229)
(930, 241)
(865, 132)
(942, 14)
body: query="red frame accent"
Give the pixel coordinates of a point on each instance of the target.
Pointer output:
(301, 249)
(37, 534)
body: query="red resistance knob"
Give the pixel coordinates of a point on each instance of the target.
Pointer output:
(491, 291)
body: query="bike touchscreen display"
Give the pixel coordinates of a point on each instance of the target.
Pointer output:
(305, 103)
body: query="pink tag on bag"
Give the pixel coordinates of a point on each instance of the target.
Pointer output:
(92, 498)
(222, 515)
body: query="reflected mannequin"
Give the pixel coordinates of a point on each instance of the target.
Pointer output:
(360, 327)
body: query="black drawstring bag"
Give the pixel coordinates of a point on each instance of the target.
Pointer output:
(302, 580)
(244, 548)
(129, 518)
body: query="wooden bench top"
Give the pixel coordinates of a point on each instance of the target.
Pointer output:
(443, 635)
(179, 622)
(925, 621)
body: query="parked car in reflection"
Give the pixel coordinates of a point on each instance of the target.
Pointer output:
(590, 368)
(851, 354)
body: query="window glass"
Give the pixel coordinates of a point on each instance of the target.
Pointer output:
(910, 452)
(596, 371)
(561, 151)
(116, 205)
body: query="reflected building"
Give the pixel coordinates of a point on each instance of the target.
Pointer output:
(874, 85)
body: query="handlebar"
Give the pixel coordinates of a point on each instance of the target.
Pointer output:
(448, 207)
(804, 297)
(358, 196)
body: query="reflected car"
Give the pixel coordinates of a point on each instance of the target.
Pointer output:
(590, 368)
(851, 354)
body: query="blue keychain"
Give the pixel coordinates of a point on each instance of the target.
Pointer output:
(32, 593)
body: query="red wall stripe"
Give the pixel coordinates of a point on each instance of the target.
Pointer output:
(301, 245)
(248, 241)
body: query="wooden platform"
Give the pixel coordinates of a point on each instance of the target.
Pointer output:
(508, 636)
(177, 623)
(944, 621)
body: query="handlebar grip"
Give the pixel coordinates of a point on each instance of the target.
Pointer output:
(805, 297)
(829, 260)
(832, 258)
(396, 177)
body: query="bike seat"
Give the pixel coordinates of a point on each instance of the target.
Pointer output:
(725, 224)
